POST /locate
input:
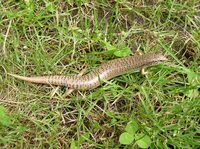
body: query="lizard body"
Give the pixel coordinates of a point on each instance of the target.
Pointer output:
(105, 71)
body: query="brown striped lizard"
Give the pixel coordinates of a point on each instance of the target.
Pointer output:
(102, 73)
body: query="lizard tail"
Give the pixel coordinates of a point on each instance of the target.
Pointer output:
(53, 80)
(42, 80)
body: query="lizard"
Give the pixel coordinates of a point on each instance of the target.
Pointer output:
(104, 72)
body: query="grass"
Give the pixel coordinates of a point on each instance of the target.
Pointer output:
(43, 38)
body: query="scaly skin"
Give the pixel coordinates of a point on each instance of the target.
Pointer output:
(104, 72)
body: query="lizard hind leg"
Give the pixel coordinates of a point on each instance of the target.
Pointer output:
(143, 71)
(68, 90)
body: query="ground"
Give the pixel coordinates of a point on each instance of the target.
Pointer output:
(64, 37)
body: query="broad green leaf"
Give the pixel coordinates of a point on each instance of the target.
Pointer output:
(193, 93)
(123, 52)
(110, 47)
(96, 125)
(73, 145)
(84, 137)
(143, 140)
(194, 79)
(50, 7)
(4, 118)
(114, 121)
(126, 138)
(131, 127)
(27, 2)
